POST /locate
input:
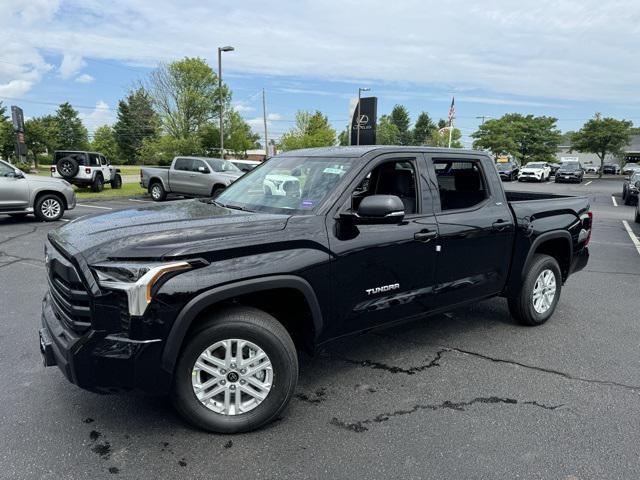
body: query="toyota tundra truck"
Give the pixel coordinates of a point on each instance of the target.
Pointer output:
(209, 300)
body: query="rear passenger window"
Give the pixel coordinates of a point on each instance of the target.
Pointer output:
(94, 160)
(184, 164)
(460, 183)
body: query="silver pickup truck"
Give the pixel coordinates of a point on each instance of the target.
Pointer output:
(192, 176)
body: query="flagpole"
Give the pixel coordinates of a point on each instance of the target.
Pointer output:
(450, 130)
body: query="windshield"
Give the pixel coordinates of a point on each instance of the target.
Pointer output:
(286, 185)
(536, 165)
(570, 166)
(504, 166)
(219, 165)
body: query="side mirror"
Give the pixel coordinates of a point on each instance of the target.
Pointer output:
(379, 209)
(18, 173)
(203, 170)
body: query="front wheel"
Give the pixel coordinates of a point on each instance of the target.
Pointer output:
(49, 208)
(116, 182)
(539, 294)
(236, 373)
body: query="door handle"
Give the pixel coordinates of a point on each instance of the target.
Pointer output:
(500, 225)
(425, 235)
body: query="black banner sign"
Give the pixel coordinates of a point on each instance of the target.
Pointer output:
(366, 122)
(18, 119)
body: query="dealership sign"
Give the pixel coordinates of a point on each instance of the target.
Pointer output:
(365, 120)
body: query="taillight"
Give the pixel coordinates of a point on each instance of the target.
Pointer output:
(87, 171)
(590, 215)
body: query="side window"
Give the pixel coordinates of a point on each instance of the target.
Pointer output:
(183, 164)
(394, 177)
(6, 170)
(461, 183)
(94, 160)
(103, 161)
(197, 164)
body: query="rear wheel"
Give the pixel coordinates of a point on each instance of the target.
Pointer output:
(116, 182)
(48, 208)
(217, 190)
(158, 194)
(98, 184)
(538, 296)
(236, 373)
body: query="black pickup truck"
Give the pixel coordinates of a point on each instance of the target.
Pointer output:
(209, 300)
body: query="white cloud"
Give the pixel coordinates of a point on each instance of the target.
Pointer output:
(242, 107)
(71, 64)
(101, 115)
(257, 123)
(569, 49)
(15, 88)
(84, 78)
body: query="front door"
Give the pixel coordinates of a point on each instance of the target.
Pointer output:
(181, 176)
(14, 192)
(475, 230)
(383, 273)
(201, 180)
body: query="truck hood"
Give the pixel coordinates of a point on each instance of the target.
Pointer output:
(161, 231)
(230, 175)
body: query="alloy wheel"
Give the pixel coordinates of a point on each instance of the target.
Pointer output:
(232, 377)
(544, 291)
(50, 208)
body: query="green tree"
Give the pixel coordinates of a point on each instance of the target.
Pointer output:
(423, 129)
(136, 121)
(238, 134)
(440, 138)
(7, 136)
(527, 138)
(38, 136)
(185, 95)
(387, 132)
(311, 130)
(343, 138)
(602, 135)
(68, 133)
(161, 150)
(400, 118)
(104, 141)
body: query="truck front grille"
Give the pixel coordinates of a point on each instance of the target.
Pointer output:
(70, 300)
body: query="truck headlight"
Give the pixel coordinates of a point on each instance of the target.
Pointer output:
(136, 279)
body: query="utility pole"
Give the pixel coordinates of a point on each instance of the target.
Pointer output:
(483, 118)
(264, 117)
(220, 50)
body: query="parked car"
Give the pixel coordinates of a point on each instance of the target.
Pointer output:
(611, 169)
(22, 194)
(245, 165)
(630, 168)
(281, 185)
(570, 172)
(208, 299)
(591, 169)
(535, 171)
(191, 176)
(85, 169)
(553, 167)
(508, 171)
(630, 188)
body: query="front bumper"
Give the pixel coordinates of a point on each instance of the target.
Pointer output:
(530, 178)
(561, 177)
(99, 362)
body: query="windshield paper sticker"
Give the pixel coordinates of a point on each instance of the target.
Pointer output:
(307, 204)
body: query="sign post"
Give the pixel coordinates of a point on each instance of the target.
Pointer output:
(17, 117)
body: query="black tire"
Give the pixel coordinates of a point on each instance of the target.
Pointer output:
(116, 182)
(624, 193)
(217, 190)
(48, 208)
(521, 305)
(638, 212)
(67, 167)
(17, 215)
(98, 184)
(254, 326)
(157, 192)
(628, 200)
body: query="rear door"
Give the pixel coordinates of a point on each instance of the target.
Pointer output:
(475, 226)
(181, 175)
(14, 192)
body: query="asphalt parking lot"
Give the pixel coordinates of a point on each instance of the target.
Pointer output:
(467, 394)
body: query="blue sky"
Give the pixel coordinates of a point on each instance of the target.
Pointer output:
(563, 58)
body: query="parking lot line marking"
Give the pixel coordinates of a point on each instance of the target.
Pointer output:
(590, 181)
(136, 200)
(93, 206)
(613, 199)
(634, 239)
(64, 220)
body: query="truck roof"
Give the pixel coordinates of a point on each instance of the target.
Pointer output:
(362, 150)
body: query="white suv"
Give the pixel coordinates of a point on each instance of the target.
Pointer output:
(85, 169)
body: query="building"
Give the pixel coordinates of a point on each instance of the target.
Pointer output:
(631, 154)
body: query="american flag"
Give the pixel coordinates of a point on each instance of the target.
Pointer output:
(452, 111)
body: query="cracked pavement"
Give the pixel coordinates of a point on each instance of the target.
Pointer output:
(467, 394)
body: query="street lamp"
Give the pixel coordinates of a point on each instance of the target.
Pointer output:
(360, 90)
(220, 50)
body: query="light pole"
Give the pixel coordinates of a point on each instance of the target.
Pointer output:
(220, 50)
(360, 90)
